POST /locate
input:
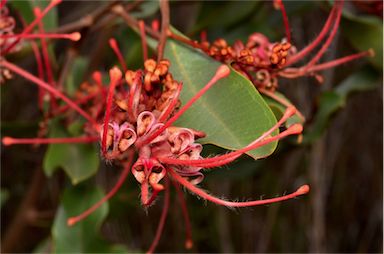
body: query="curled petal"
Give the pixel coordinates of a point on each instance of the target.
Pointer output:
(157, 173)
(127, 136)
(193, 151)
(181, 139)
(139, 171)
(145, 121)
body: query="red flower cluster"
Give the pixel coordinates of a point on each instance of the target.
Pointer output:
(135, 116)
(264, 62)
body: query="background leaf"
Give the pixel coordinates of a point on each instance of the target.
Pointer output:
(4, 194)
(331, 101)
(365, 32)
(79, 161)
(82, 237)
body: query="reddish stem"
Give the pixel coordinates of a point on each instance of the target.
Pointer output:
(290, 111)
(163, 217)
(99, 82)
(115, 47)
(298, 56)
(143, 40)
(2, 3)
(164, 8)
(300, 191)
(336, 62)
(81, 101)
(50, 89)
(73, 220)
(40, 72)
(281, 6)
(184, 210)
(47, 63)
(7, 141)
(329, 40)
(222, 72)
(73, 36)
(26, 30)
(115, 76)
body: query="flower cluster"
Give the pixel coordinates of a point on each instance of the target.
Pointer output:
(264, 62)
(133, 117)
(257, 56)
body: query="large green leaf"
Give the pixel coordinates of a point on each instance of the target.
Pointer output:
(79, 161)
(83, 237)
(232, 113)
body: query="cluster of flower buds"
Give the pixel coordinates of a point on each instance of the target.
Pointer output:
(7, 25)
(263, 62)
(254, 59)
(151, 89)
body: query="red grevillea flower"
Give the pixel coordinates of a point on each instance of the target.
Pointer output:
(140, 110)
(166, 153)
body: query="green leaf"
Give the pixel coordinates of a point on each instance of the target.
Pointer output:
(232, 113)
(76, 74)
(26, 10)
(147, 8)
(365, 32)
(79, 161)
(83, 237)
(332, 101)
(4, 194)
(225, 14)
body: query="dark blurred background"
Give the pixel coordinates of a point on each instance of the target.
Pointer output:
(342, 162)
